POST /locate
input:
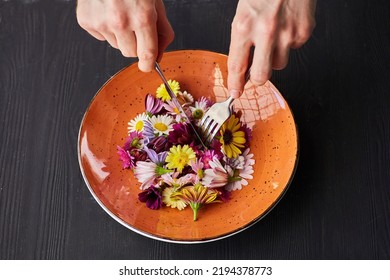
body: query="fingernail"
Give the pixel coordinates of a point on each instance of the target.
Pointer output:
(234, 93)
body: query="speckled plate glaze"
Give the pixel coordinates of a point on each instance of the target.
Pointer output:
(104, 126)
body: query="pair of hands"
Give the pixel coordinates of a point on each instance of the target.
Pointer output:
(140, 28)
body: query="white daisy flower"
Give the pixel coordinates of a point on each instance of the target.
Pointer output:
(161, 125)
(137, 124)
(186, 97)
(200, 108)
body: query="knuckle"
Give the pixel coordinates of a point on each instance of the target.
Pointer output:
(259, 78)
(236, 67)
(147, 55)
(268, 29)
(145, 18)
(242, 25)
(119, 21)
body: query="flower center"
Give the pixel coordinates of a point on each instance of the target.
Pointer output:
(200, 174)
(161, 126)
(182, 159)
(139, 125)
(227, 137)
(176, 111)
(197, 114)
(135, 143)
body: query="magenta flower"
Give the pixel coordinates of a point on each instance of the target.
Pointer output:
(209, 155)
(152, 197)
(134, 141)
(248, 134)
(153, 105)
(180, 135)
(224, 195)
(125, 157)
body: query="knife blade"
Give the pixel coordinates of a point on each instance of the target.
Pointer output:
(178, 105)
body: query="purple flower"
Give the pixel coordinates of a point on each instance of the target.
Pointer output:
(153, 105)
(158, 159)
(160, 144)
(138, 154)
(125, 157)
(148, 132)
(180, 134)
(152, 197)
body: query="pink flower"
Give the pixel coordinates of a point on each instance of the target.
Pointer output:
(172, 110)
(242, 171)
(216, 176)
(209, 155)
(125, 157)
(197, 166)
(178, 183)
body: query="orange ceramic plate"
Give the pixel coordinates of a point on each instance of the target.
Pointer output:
(104, 126)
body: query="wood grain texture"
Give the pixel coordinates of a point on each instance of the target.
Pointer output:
(338, 206)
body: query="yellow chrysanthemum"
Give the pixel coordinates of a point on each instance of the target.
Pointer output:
(178, 157)
(162, 92)
(173, 198)
(232, 138)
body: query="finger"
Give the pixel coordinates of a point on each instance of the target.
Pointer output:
(127, 43)
(281, 52)
(147, 47)
(280, 58)
(261, 68)
(111, 39)
(239, 51)
(165, 32)
(165, 37)
(97, 35)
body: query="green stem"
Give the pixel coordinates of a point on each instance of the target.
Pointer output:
(195, 207)
(234, 179)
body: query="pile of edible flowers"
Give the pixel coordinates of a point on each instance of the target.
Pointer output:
(173, 168)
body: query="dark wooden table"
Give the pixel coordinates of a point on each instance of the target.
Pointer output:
(338, 86)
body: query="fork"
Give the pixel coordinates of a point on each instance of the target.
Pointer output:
(216, 116)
